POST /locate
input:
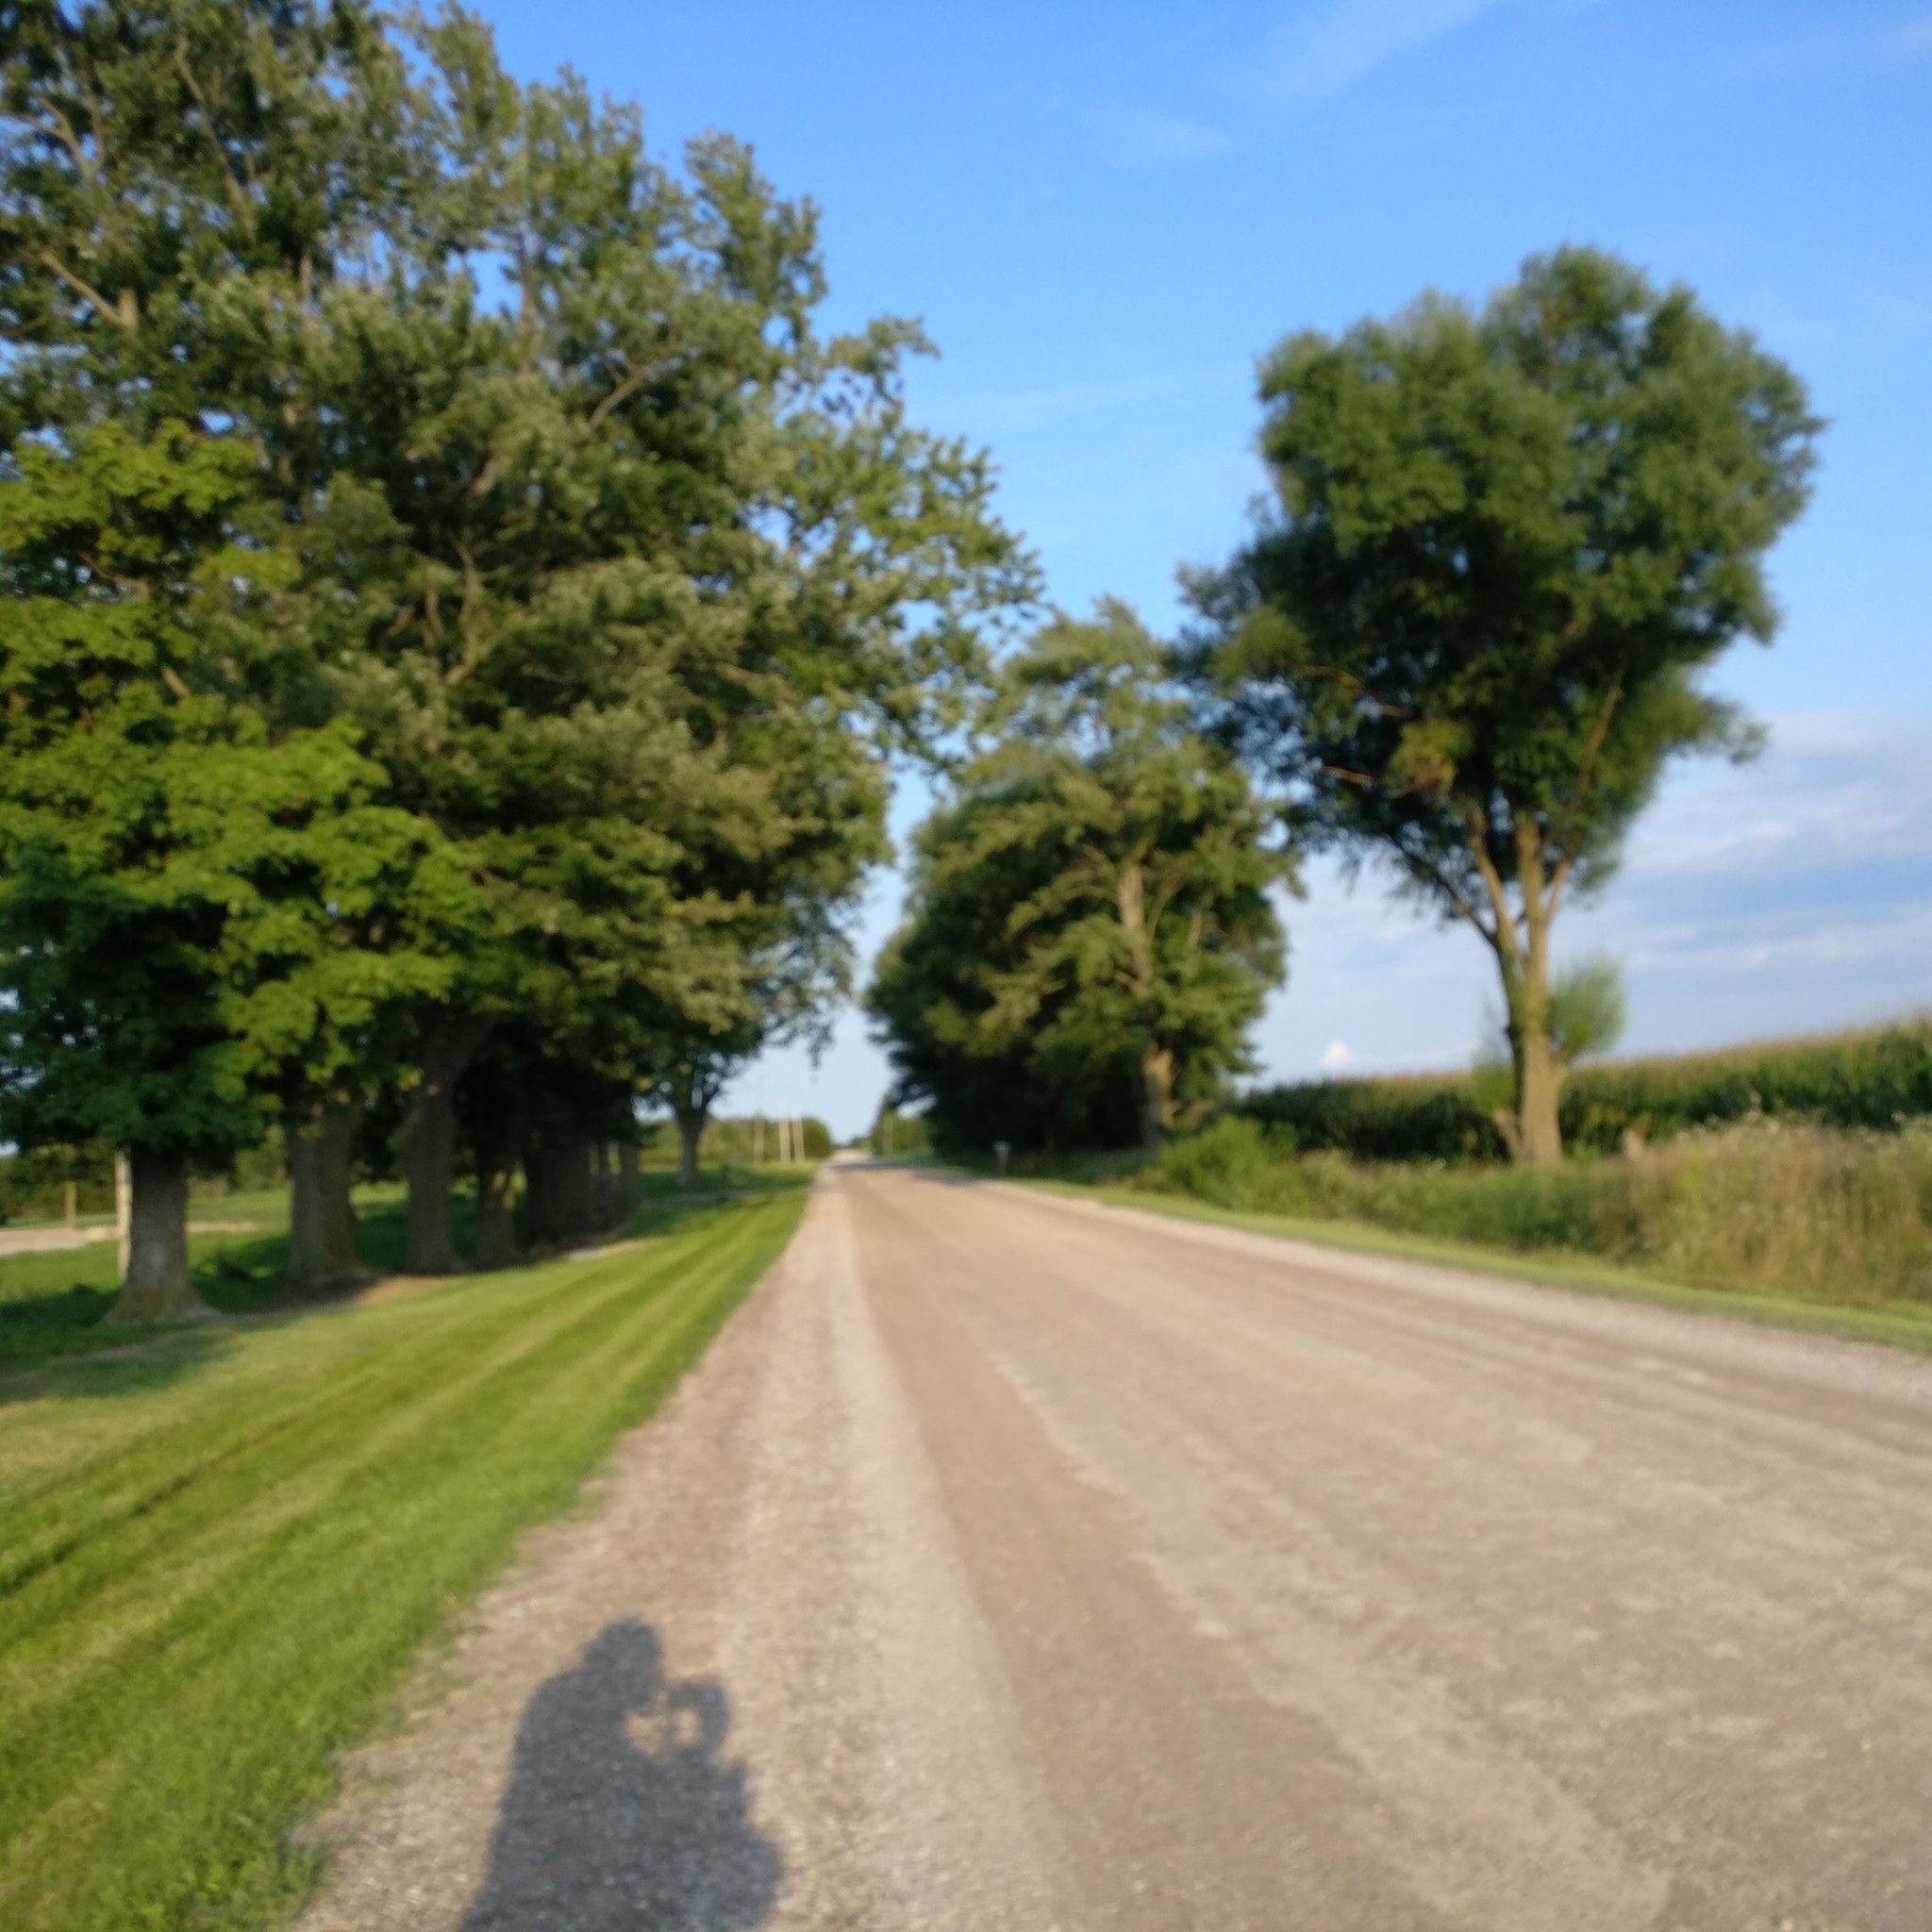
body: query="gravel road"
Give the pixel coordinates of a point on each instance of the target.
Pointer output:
(1013, 1563)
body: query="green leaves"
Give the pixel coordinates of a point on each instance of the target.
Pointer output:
(1505, 543)
(450, 584)
(1091, 914)
(1506, 546)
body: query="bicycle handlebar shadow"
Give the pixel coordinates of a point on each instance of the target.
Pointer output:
(624, 1813)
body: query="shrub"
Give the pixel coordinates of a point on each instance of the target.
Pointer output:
(1230, 1163)
(1760, 1204)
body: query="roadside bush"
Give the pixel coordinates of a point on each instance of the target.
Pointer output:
(1231, 1163)
(1761, 1203)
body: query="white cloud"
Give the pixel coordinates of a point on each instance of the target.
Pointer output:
(1326, 49)
(1836, 790)
(1137, 137)
(1790, 896)
(1336, 1056)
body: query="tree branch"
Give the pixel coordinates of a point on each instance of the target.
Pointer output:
(122, 313)
(467, 620)
(622, 393)
(1505, 939)
(238, 196)
(61, 130)
(1567, 835)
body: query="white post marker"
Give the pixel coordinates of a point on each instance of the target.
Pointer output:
(1000, 1150)
(124, 1214)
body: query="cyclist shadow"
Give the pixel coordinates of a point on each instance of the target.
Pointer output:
(623, 1812)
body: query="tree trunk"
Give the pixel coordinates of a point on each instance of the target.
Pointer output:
(321, 1219)
(1538, 1140)
(563, 1197)
(629, 1182)
(690, 1130)
(541, 1215)
(157, 1286)
(429, 1146)
(1157, 1096)
(496, 1239)
(582, 1212)
(496, 1156)
(1539, 1084)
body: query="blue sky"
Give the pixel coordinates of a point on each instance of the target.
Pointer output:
(1103, 214)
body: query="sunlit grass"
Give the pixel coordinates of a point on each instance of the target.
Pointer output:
(219, 1548)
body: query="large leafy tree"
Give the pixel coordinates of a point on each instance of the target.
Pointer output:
(182, 187)
(1505, 544)
(1090, 932)
(587, 584)
(639, 558)
(121, 739)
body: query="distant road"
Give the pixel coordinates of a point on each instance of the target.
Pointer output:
(1014, 1563)
(52, 1237)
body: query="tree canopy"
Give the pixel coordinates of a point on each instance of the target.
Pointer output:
(492, 601)
(1470, 633)
(1090, 932)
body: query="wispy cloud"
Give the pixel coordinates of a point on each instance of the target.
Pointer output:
(1790, 896)
(1913, 40)
(1328, 47)
(1140, 137)
(1840, 791)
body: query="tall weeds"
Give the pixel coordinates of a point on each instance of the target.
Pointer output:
(1760, 1204)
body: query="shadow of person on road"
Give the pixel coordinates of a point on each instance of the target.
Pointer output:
(623, 1812)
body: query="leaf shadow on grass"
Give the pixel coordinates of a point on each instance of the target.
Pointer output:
(149, 1358)
(624, 1813)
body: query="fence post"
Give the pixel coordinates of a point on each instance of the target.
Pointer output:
(124, 1214)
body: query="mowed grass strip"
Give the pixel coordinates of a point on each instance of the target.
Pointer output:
(218, 1553)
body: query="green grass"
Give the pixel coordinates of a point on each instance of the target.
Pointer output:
(52, 1303)
(222, 1546)
(1903, 1325)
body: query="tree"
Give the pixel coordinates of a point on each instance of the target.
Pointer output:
(641, 557)
(1586, 1017)
(1468, 638)
(110, 559)
(574, 586)
(181, 187)
(1093, 903)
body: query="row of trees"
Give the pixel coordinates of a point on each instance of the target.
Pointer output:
(1463, 641)
(460, 610)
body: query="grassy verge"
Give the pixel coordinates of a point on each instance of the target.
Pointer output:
(1903, 1324)
(52, 1304)
(222, 1547)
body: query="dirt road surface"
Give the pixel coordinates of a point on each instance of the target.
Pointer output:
(1018, 1563)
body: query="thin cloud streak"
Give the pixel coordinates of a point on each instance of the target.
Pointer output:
(1140, 137)
(1328, 49)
